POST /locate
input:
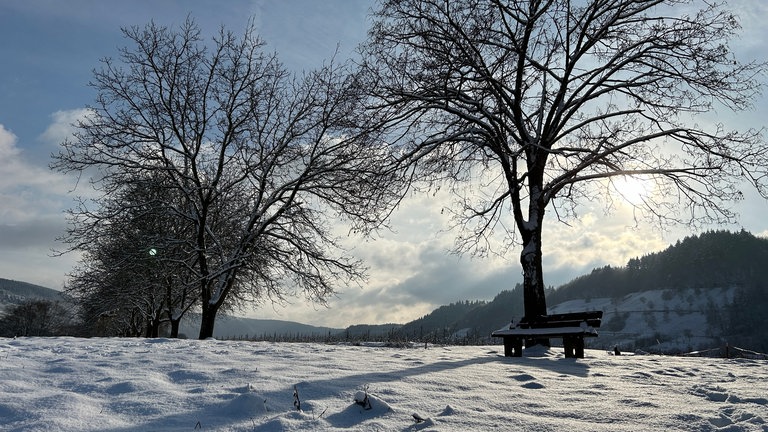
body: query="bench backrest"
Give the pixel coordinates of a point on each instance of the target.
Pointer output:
(592, 318)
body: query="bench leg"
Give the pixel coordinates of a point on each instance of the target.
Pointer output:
(518, 347)
(568, 344)
(579, 347)
(574, 346)
(513, 347)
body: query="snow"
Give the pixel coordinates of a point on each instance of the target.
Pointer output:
(53, 384)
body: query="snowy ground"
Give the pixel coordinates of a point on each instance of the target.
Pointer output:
(67, 384)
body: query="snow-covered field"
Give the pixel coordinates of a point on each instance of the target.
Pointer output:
(68, 384)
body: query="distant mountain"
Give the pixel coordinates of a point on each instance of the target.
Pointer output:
(722, 275)
(442, 319)
(15, 292)
(229, 327)
(466, 321)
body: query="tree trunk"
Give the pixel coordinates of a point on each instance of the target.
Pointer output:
(153, 328)
(175, 328)
(210, 306)
(533, 278)
(208, 320)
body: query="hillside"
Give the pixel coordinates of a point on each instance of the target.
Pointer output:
(443, 319)
(667, 321)
(702, 292)
(722, 276)
(711, 260)
(467, 322)
(229, 327)
(15, 292)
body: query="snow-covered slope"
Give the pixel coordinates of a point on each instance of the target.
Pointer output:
(67, 384)
(659, 320)
(15, 292)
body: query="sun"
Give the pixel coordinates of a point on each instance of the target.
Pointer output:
(632, 189)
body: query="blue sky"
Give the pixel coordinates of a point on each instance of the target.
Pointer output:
(48, 49)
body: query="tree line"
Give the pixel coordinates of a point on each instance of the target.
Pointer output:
(712, 259)
(219, 179)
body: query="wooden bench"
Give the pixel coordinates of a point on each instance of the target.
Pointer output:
(571, 327)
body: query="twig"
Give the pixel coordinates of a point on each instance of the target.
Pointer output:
(296, 400)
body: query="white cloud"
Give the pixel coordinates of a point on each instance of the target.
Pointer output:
(63, 124)
(15, 179)
(31, 217)
(412, 271)
(26, 189)
(7, 144)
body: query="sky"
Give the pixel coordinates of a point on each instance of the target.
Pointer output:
(49, 48)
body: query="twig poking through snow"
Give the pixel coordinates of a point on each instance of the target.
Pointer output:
(296, 400)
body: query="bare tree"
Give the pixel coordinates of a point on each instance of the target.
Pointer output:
(530, 105)
(133, 260)
(36, 318)
(257, 161)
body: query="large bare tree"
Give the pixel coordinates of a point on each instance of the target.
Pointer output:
(257, 161)
(526, 106)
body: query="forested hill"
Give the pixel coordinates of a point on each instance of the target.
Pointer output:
(469, 320)
(16, 292)
(711, 260)
(733, 266)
